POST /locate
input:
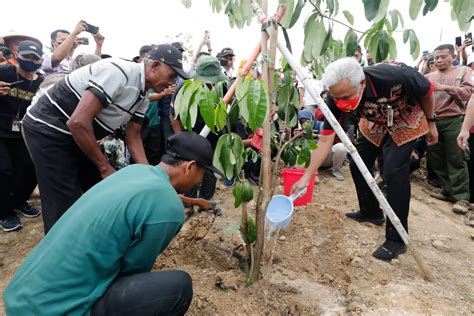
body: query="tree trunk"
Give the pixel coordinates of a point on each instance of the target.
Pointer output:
(266, 174)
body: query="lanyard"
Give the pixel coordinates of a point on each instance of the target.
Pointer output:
(22, 100)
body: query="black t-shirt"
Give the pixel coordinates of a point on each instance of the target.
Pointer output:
(13, 106)
(386, 84)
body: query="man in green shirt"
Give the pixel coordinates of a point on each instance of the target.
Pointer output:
(97, 258)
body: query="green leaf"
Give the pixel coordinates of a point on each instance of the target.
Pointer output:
(463, 10)
(186, 3)
(382, 12)
(241, 94)
(238, 152)
(383, 46)
(191, 120)
(331, 5)
(406, 35)
(234, 112)
(251, 231)
(327, 41)
(394, 19)
(373, 46)
(257, 103)
(348, 16)
(319, 36)
(297, 12)
(371, 8)
(350, 43)
(304, 156)
(207, 100)
(247, 191)
(220, 114)
(393, 48)
(309, 29)
(415, 6)
(414, 45)
(430, 5)
(221, 154)
(290, 4)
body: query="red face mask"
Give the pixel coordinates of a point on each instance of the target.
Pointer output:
(349, 104)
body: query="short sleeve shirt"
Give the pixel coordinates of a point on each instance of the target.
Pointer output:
(119, 85)
(63, 66)
(13, 106)
(399, 87)
(118, 227)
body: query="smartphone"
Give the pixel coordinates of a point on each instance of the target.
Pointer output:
(92, 29)
(82, 40)
(425, 53)
(458, 41)
(15, 82)
(468, 36)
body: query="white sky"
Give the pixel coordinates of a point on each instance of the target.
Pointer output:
(127, 25)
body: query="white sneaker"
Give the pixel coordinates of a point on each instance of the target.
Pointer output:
(337, 174)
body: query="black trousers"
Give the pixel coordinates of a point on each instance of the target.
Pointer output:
(153, 293)
(153, 144)
(62, 170)
(396, 174)
(17, 175)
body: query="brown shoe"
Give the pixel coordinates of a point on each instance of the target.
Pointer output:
(461, 207)
(469, 220)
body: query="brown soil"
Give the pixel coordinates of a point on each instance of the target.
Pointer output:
(322, 263)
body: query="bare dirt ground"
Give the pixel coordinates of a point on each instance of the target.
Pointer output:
(322, 263)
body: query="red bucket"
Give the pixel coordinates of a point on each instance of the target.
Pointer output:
(290, 176)
(257, 140)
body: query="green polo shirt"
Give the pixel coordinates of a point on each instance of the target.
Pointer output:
(118, 227)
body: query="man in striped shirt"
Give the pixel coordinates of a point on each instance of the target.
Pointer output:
(62, 127)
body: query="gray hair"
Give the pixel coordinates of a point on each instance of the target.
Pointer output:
(345, 68)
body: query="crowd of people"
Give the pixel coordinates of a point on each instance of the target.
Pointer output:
(69, 122)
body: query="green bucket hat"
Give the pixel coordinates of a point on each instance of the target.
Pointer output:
(209, 70)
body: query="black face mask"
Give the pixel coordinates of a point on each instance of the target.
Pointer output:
(224, 62)
(27, 65)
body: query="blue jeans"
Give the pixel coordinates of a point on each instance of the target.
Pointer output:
(153, 293)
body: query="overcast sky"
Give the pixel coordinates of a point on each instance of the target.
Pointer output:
(127, 25)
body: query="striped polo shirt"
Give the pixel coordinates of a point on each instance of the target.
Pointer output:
(119, 84)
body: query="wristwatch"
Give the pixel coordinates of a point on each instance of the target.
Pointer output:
(431, 119)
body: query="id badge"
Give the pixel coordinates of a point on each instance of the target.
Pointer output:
(16, 125)
(389, 116)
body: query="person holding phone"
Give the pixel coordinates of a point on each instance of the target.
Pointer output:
(63, 45)
(18, 85)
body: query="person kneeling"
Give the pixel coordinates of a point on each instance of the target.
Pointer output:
(97, 258)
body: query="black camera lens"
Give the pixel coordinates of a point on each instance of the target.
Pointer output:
(7, 53)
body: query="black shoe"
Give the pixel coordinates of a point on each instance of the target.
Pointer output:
(434, 183)
(389, 250)
(360, 217)
(28, 210)
(11, 223)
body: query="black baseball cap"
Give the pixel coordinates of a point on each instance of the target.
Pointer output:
(170, 56)
(226, 52)
(28, 47)
(191, 146)
(179, 46)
